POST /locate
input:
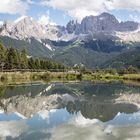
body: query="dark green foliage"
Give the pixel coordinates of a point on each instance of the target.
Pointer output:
(77, 54)
(124, 60)
(129, 70)
(61, 43)
(24, 59)
(132, 69)
(31, 63)
(37, 64)
(79, 76)
(92, 54)
(11, 58)
(2, 56)
(106, 46)
(34, 47)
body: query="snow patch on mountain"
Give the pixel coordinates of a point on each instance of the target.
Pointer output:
(20, 115)
(20, 19)
(104, 26)
(49, 47)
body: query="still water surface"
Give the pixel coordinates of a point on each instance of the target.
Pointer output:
(70, 111)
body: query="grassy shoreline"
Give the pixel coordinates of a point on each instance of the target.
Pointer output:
(25, 77)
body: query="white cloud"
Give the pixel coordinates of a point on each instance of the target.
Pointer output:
(78, 8)
(135, 18)
(45, 19)
(82, 8)
(123, 4)
(12, 129)
(96, 132)
(13, 7)
(79, 120)
(44, 114)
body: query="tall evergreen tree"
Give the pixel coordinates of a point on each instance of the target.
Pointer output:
(37, 63)
(31, 63)
(2, 56)
(24, 59)
(12, 61)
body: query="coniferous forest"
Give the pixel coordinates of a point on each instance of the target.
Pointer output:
(11, 58)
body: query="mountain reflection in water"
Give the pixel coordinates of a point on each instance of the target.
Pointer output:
(40, 111)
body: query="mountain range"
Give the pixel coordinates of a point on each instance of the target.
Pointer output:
(97, 41)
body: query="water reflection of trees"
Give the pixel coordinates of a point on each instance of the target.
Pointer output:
(2, 91)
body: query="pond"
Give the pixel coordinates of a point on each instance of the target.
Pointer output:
(70, 111)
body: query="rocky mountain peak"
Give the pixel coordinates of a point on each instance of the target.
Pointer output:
(24, 27)
(95, 27)
(105, 14)
(104, 26)
(108, 17)
(71, 26)
(102, 23)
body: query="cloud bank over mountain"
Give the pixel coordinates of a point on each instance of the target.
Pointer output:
(80, 9)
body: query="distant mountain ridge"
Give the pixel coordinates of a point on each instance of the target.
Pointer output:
(103, 23)
(94, 41)
(95, 26)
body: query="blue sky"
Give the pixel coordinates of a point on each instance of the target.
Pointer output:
(61, 11)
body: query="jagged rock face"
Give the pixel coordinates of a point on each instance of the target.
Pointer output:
(27, 27)
(6, 28)
(32, 30)
(71, 26)
(127, 26)
(104, 26)
(102, 23)
(55, 32)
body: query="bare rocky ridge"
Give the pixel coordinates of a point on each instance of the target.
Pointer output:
(105, 26)
(27, 27)
(97, 26)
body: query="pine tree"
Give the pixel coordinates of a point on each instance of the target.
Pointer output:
(31, 63)
(24, 59)
(12, 61)
(37, 63)
(2, 56)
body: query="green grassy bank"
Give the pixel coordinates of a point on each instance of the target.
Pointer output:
(25, 77)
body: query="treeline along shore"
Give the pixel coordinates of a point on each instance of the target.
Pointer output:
(16, 66)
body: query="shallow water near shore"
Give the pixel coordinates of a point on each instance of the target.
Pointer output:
(70, 111)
